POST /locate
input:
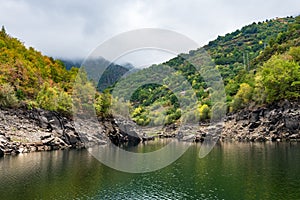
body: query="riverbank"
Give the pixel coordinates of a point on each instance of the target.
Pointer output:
(277, 122)
(23, 131)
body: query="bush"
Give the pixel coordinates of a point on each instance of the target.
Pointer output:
(243, 96)
(278, 79)
(51, 98)
(295, 53)
(204, 112)
(47, 98)
(7, 96)
(64, 104)
(103, 104)
(31, 104)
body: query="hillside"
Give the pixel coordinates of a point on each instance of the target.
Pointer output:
(32, 80)
(248, 60)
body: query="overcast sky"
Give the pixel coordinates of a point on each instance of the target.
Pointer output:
(73, 28)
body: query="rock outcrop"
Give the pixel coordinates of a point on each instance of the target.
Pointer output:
(278, 122)
(23, 130)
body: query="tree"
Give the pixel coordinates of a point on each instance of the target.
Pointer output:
(7, 96)
(3, 31)
(242, 97)
(295, 53)
(47, 98)
(204, 112)
(64, 104)
(103, 104)
(279, 78)
(54, 99)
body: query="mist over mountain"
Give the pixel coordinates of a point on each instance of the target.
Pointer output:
(99, 69)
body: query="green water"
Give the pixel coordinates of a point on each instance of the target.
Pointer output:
(230, 171)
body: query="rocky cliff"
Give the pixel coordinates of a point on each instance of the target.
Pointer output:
(277, 122)
(23, 131)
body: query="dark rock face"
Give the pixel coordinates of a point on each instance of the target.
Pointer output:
(23, 131)
(35, 130)
(120, 130)
(278, 122)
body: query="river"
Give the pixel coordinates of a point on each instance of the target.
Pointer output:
(229, 171)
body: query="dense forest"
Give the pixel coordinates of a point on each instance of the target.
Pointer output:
(29, 78)
(259, 64)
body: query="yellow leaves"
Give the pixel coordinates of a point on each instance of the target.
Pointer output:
(243, 96)
(52, 98)
(245, 92)
(204, 112)
(137, 111)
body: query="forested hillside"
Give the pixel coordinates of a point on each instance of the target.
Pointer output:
(30, 79)
(259, 65)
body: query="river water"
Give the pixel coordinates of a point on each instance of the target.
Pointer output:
(229, 171)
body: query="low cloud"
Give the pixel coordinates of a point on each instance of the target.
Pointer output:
(72, 29)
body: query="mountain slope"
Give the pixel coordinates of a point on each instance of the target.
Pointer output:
(27, 76)
(244, 58)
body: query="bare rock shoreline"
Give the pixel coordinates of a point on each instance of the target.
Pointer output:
(277, 122)
(24, 131)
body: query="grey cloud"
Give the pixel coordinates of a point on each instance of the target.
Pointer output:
(72, 28)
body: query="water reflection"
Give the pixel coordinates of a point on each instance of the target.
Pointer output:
(230, 171)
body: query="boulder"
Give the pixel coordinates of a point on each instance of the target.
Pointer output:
(3, 139)
(188, 138)
(294, 136)
(254, 116)
(48, 140)
(254, 125)
(292, 123)
(72, 138)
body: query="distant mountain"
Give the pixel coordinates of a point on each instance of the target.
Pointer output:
(111, 75)
(95, 69)
(72, 63)
(128, 66)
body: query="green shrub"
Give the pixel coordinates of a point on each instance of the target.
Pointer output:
(31, 104)
(64, 103)
(243, 96)
(204, 112)
(53, 99)
(7, 96)
(47, 98)
(278, 78)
